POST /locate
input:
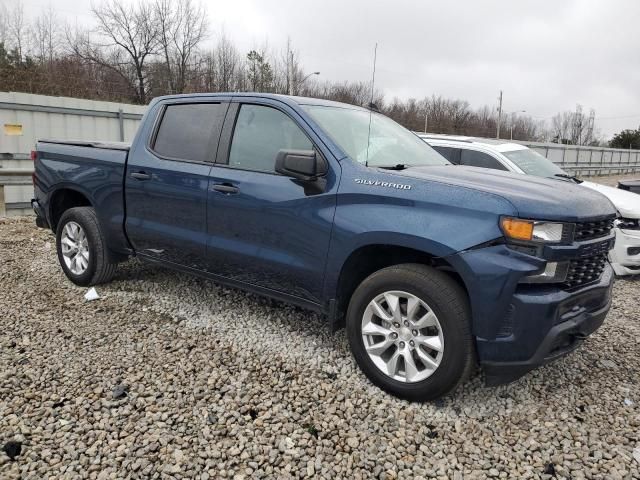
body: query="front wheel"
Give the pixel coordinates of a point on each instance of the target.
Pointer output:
(408, 328)
(82, 251)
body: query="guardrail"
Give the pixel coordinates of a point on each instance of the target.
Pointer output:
(620, 169)
(13, 176)
(587, 160)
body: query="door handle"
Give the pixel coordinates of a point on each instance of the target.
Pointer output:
(225, 188)
(141, 176)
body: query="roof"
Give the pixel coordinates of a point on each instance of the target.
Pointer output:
(493, 143)
(290, 99)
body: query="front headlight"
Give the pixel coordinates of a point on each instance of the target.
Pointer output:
(627, 223)
(533, 231)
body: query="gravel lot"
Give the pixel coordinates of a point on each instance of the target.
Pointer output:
(218, 383)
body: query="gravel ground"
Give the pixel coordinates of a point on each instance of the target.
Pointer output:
(170, 376)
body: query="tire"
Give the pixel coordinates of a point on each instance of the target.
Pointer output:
(100, 268)
(442, 296)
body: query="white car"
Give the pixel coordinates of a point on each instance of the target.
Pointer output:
(513, 157)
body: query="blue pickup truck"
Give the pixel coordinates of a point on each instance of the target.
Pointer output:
(432, 268)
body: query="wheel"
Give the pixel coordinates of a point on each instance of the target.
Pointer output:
(81, 247)
(408, 328)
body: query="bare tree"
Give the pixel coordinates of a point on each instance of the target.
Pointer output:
(182, 27)
(227, 60)
(459, 114)
(288, 72)
(574, 128)
(355, 93)
(130, 36)
(46, 35)
(17, 28)
(4, 24)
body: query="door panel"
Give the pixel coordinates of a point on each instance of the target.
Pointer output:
(166, 197)
(166, 214)
(264, 229)
(269, 233)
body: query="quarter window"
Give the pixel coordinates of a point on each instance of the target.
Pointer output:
(451, 154)
(260, 133)
(190, 131)
(480, 159)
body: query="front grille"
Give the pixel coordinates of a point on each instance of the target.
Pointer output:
(585, 270)
(591, 230)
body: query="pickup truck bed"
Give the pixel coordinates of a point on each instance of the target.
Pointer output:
(86, 170)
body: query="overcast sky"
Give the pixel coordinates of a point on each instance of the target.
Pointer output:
(546, 55)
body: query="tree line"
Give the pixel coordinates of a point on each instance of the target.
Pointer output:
(139, 50)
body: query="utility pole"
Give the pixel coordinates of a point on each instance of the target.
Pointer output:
(499, 115)
(578, 124)
(290, 73)
(513, 119)
(426, 121)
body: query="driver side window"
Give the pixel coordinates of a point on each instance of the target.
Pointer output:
(260, 133)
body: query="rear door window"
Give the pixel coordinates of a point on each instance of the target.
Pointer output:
(190, 132)
(474, 158)
(450, 153)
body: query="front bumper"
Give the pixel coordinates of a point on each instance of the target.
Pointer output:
(519, 326)
(550, 324)
(623, 258)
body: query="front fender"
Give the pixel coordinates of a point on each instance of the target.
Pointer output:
(350, 234)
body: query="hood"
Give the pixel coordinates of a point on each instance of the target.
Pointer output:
(532, 197)
(627, 203)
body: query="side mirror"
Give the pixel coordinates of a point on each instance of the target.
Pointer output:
(302, 165)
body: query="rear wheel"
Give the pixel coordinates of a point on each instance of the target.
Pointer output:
(81, 248)
(408, 327)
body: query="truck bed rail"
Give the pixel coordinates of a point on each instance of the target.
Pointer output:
(91, 144)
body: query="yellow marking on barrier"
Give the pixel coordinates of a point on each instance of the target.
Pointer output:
(13, 129)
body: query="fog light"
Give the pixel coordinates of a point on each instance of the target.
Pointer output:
(554, 272)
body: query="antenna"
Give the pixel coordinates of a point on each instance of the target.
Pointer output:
(373, 82)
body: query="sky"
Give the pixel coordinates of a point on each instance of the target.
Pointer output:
(546, 56)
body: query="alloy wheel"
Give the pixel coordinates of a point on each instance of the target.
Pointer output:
(402, 336)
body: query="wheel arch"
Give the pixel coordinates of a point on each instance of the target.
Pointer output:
(64, 198)
(369, 258)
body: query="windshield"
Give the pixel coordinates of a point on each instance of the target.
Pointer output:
(390, 143)
(532, 163)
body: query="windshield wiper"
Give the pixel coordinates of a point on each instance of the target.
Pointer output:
(398, 166)
(568, 177)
